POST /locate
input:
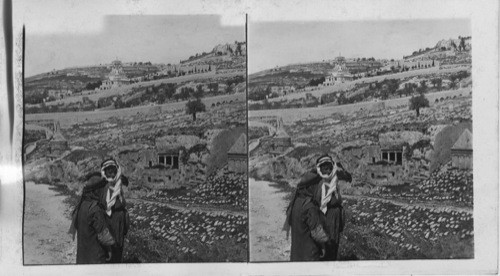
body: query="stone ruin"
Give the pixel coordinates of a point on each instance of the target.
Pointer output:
(461, 151)
(387, 162)
(237, 155)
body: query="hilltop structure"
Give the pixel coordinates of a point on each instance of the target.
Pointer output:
(116, 77)
(339, 75)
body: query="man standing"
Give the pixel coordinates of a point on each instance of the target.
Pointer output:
(94, 238)
(330, 202)
(303, 218)
(117, 216)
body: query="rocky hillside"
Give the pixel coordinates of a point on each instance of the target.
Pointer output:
(233, 49)
(223, 57)
(447, 51)
(455, 44)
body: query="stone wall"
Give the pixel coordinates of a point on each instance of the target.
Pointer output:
(370, 162)
(461, 159)
(237, 163)
(379, 174)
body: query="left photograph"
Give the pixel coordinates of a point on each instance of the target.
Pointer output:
(135, 142)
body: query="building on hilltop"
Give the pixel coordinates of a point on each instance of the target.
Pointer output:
(356, 66)
(116, 77)
(340, 74)
(237, 155)
(461, 151)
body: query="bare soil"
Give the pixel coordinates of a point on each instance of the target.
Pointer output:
(268, 242)
(46, 223)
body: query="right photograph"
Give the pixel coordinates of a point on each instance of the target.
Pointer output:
(360, 140)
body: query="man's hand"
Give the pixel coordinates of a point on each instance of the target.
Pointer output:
(109, 256)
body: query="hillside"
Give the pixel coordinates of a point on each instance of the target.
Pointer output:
(447, 51)
(80, 88)
(369, 79)
(222, 57)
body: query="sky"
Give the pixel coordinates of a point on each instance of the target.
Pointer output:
(129, 38)
(272, 44)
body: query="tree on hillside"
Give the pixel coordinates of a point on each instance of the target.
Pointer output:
(213, 87)
(461, 47)
(238, 49)
(229, 89)
(316, 82)
(342, 99)
(119, 103)
(194, 106)
(199, 91)
(170, 90)
(418, 102)
(437, 82)
(453, 45)
(423, 86)
(453, 85)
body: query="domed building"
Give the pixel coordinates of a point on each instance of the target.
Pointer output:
(116, 77)
(340, 74)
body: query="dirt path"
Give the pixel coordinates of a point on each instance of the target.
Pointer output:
(46, 223)
(267, 215)
(430, 206)
(193, 207)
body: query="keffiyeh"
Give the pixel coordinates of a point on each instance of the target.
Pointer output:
(327, 190)
(115, 185)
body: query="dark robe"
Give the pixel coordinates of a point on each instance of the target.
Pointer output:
(303, 218)
(118, 224)
(90, 223)
(334, 218)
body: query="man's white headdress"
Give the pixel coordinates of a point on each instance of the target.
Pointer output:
(115, 189)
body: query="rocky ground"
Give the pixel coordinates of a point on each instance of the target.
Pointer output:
(227, 190)
(450, 186)
(207, 222)
(429, 217)
(183, 235)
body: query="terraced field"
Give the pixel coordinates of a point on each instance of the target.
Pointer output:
(162, 234)
(409, 231)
